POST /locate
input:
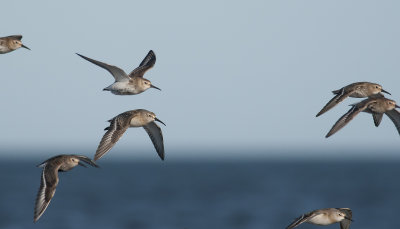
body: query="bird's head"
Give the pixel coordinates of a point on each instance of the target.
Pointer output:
(376, 88)
(391, 104)
(73, 161)
(16, 44)
(146, 84)
(341, 216)
(151, 117)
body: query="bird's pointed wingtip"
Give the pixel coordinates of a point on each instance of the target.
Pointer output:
(35, 218)
(320, 112)
(41, 164)
(95, 165)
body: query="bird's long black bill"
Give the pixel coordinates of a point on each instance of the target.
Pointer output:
(88, 161)
(155, 87)
(386, 92)
(158, 120)
(348, 219)
(81, 164)
(397, 106)
(23, 46)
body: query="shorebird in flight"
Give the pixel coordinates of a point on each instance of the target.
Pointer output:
(325, 216)
(49, 179)
(134, 118)
(11, 43)
(355, 90)
(131, 84)
(375, 105)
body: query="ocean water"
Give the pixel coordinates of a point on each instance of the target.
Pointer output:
(198, 195)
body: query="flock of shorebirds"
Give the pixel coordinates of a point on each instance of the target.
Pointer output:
(134, 83)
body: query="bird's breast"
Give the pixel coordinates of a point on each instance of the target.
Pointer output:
(4, 49)
(65, 168)
(321, 220)
(360, 94)
(137, 122)
(377, 108)
(123, 88)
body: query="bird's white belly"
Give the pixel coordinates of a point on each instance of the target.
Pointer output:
(4, 49)
(135, 122)
(321, 220)
(123, 88)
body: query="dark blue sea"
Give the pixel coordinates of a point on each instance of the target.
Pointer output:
(264, 194)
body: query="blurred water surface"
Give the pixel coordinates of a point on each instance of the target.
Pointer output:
(198, 195)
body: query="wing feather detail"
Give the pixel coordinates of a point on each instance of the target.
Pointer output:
(117, 128)
(155, 134)
(340, 96)
(48, 184)
(303, 218)
(346, 118)
(345, 224)
(147, 63)
(118, 74)
(394, 115)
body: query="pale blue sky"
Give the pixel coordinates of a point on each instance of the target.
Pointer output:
(233, 74)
